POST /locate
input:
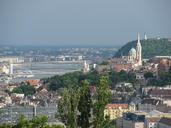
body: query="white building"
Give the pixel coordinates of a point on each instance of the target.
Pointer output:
(86, 67)
(11, 69)
(151, 122)
(5, 69)
(135, 54)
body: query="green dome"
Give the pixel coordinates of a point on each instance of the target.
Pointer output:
(132, 51)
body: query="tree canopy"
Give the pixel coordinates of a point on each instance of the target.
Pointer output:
(25, 89)
(36, 122)
(150, 48)
(75, 78)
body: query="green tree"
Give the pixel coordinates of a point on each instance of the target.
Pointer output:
(17, 90)
(23, 123)
(37, 122)
(104, 63)
(67, 106)
(25, 89)
(103, 98)
(5, 126)
(148, 75)
(84, 106)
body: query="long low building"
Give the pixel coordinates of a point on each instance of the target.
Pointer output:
(131, 120)
(164, 123)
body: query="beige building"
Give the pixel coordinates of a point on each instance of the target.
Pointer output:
(115, 111)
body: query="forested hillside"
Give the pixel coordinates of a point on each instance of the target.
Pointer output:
(150, 48)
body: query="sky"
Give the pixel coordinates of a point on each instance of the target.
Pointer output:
(82, 22)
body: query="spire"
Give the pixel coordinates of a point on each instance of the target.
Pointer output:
(86, 67)
(138, 38)
(139, 50)
(145, 36)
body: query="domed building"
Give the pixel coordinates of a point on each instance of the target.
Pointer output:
(132, 61)
(132, 54)
(135, 56)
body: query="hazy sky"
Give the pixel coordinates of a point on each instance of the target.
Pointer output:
(82, 22)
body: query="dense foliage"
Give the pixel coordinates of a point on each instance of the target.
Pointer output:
(148, 75)
(103, 98)
(25, 89)
(37, 122)
(163, 79)
(67, 106)
(74, 79)
(84, 105)
(76, 106)
(150, 48)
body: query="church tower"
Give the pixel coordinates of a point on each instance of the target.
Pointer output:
(139, 52)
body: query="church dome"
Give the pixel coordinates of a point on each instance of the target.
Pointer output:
(132, 51)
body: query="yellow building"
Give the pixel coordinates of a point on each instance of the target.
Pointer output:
(115, 111)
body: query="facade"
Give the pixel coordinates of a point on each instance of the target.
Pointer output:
(135, 54)
(131, 120)
(35, 83)
(164, 123)
(129, 62)
(164, 65)
(151, 122)
(12, 113)
(162, 94)
(86, 67)
(115, 111)
(132, 124)
(6, 68)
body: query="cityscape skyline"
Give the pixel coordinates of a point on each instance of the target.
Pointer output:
(82, 23)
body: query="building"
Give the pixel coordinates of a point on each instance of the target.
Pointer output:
(164, 123)
(131, 120)
(151, 122)
(9, 59)
(86, 67)
(162, 94)
(135, 54)
(149, 104)
(35, 83)
(119, 67)
(124, 84)
(115, 111)
(164, 65)
(5, 69)
(11, 69)
(129, 62)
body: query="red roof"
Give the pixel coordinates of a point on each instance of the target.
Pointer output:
(33, 82)
(117, 106)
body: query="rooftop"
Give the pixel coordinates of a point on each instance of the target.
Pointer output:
(166, 121)
(117, 106)
(153, 119)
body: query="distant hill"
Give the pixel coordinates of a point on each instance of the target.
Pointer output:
(150, 48)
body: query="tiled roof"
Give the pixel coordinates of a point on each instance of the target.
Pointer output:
(33, 82)
(160, 92)
(151, 101)
(117, 106)
(153, 119)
